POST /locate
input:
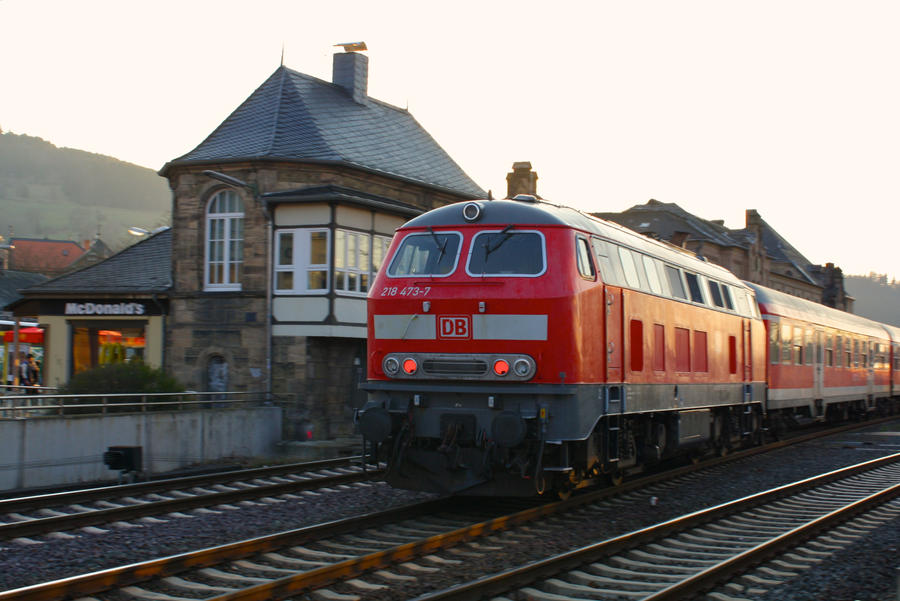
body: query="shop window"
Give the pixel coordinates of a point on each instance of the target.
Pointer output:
(659, 347)
(682, 349)
(224, 242)
(701, 359)
(106, 344)
(637, 345)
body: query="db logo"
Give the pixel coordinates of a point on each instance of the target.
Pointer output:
(454, 326)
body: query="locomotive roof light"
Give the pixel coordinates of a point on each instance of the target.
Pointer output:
(410, 366)
(501, 367)
(471, 212)
(391, 366)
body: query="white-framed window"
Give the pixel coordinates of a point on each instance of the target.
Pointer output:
(380, 245)
(224, 242)
(302, 261)
(352, 265)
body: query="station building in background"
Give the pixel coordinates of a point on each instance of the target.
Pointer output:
(281, 218)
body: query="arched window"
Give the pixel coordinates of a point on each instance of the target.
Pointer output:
(224, 242)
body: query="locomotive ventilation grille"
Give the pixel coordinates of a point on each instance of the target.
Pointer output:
(454, 367)
(425, 366)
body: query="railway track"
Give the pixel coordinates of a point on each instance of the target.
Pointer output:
(59, 512)
(395, 549)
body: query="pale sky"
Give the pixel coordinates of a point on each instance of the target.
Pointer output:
(788, 107)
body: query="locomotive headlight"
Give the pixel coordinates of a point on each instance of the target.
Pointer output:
(522, 367)
(501, 367)
(410, 366)
(391, 366)
(471, 212)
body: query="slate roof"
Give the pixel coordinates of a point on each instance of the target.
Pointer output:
(296, 117)
(144, 267)
(12, 281)
(666, 218)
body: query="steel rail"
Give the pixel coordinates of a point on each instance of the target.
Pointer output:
(501, 583)
(725, 571)
(91, 583)
(95, 582)
(104, 493)
(129, 512)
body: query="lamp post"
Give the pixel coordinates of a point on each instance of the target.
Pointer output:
(234, 182)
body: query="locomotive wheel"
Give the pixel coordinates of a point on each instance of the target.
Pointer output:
(617, 477)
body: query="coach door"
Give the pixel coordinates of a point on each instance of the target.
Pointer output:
(614, 334)
(818, 365)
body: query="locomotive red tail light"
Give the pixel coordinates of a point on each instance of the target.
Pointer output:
(410, 366)
(501, 367)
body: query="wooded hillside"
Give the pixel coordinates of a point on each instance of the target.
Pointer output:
(67, 194)
(876, 297)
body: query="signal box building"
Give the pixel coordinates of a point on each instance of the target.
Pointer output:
(281, 218)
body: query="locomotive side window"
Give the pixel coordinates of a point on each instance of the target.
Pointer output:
(432, 253)
(631, 274)
(650, 267)
(608, 262)
(506, 252)
(694, 287)
(726, 296)
(585, 265)
(715, 293)
(675, 283)
(741, 299)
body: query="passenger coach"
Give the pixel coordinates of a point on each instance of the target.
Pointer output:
(519, 347)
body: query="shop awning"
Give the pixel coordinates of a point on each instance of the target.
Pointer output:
(27, 335)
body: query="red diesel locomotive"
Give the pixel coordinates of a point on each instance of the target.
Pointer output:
(517, 347)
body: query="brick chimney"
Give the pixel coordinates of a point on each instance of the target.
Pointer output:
(351, 72)
(522, 180)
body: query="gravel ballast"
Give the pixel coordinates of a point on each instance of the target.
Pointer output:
(865, 571)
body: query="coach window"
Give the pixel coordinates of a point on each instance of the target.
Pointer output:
(829, 350)
(675, 282)
(715, 293)
(585, 265)
(848, 352)
(810, 345)
(855, 352)
(694, 287)
(774, 342)
(787, 337)
(637, 345)
(798, 346)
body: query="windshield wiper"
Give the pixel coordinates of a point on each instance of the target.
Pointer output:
(441, 247)
(506, 235)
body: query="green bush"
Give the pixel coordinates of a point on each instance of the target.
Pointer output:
(134, 376)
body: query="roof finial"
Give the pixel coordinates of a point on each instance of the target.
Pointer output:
(282, 54)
